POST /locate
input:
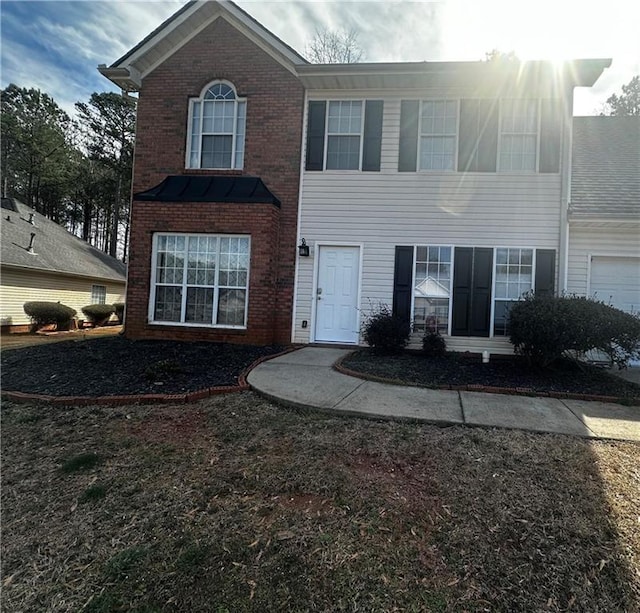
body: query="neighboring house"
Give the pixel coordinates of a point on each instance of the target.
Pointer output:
(440, 188)
(40, 260)
(604, 211)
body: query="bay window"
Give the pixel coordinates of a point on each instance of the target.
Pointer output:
(200, 279)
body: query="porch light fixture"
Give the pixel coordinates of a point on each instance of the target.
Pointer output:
(303, 249)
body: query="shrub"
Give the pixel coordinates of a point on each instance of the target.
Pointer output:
(384, 332)
(433, 345)
(46, 313)
(118, 309)
(545, 328)
(97, 314)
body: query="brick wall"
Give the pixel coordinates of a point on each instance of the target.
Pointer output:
(272, 152)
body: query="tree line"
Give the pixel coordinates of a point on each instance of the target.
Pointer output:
(76, 171)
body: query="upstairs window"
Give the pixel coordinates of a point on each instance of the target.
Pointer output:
(438, 132)
(217, 128)
(344, 134)
(518, 135)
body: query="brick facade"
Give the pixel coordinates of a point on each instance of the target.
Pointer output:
(272, 152)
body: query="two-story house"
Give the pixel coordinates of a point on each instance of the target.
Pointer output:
(438, 188)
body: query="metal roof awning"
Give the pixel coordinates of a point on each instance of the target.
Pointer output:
(220, 188)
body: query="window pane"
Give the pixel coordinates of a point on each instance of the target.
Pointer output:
(98, 294)
(501, 318)
(199, 305)
(216, 151)
(168, 303)
(231, 304)
(343, 152)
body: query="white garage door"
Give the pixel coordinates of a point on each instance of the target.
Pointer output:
(616, 281)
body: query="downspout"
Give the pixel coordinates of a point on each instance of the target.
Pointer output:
(294, 311)
(565, 193)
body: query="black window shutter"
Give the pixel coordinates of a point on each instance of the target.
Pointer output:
(315, 135)
(471, 310)
(408, 155)
(487, 153)
(545, 271)
(372, 135)
(403, 283)
(478, 136)
(481, 296)
(468, 136)
(462, 287)
(550, 135)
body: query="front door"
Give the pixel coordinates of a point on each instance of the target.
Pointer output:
(337, 295)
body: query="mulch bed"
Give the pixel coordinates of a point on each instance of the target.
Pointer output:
(504, 372)
(116, 366)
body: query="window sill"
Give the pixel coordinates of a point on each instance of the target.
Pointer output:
(177, 324)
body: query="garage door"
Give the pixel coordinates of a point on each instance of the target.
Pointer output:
(616, 281)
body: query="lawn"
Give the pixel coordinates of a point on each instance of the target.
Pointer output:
(502, 371)
(234, 504)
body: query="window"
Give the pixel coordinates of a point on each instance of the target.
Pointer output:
(200, 279)
(432, 289)
(98, 294)
(438, 121)
(217, 130)
(518, 135)
(344, 134)
(514, 277)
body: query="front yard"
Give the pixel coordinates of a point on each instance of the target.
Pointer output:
(235, 504)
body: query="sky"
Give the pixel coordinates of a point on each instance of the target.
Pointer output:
(56, 45)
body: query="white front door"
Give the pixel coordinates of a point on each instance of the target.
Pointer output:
(337, 295)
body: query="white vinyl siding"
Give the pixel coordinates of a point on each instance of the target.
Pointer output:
(20, 286)
(389, 208)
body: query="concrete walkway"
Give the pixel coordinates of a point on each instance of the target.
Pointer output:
(305, 378)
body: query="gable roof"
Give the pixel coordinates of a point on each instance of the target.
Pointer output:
(182, 26)
(605, 168)
(55, 249)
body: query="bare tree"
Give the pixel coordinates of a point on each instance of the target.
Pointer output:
(628, 102)
(335, 47)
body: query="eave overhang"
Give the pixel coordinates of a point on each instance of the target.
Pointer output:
(535, 77)
(128, 71)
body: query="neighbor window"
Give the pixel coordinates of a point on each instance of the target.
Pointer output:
(200, 279)
(518, 135)
(432, 289)
(217, 130)
(344, 134)
(438, 132)
(513, 278)
(98, 294)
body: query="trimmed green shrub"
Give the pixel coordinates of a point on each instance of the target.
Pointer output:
(118, 309)
(97, 314)
(384, 332)
(46, 313)
(433, 345)
(546, 328)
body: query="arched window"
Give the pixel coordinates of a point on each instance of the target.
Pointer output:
(217, 127)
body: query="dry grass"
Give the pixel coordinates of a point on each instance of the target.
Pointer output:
(235, 504)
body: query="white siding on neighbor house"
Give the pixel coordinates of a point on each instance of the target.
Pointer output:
(383, 209)
(592, 240)
(19, 286)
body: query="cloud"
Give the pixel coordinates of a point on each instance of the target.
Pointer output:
(56, 46)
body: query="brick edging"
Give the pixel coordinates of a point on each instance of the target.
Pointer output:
(510, 391)
(187, 397)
